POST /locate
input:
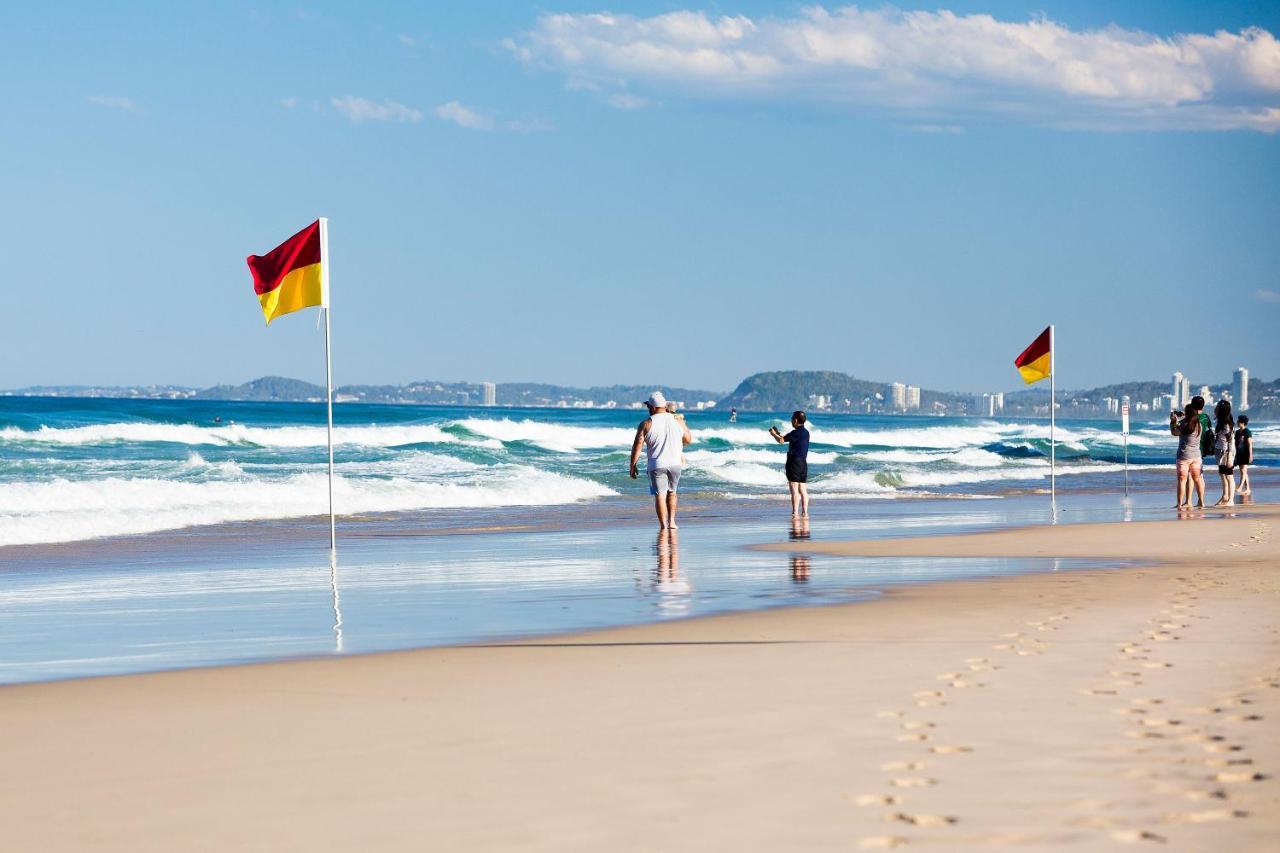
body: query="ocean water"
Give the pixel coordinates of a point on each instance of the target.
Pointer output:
(80, 469)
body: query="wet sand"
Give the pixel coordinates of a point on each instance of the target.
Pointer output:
(1086, 709)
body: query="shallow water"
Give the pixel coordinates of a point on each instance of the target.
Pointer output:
(249, 593)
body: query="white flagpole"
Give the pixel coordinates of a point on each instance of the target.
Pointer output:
(328, 376)
(1053, 442)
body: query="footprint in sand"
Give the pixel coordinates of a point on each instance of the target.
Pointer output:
(903, 765)
(882, 842)
(1222, 747)
(917, 724)
(1207, 816)
(912, 782)
(924, 819)
(1200, 737)
(1132, 836)
(878, 800)
(911, 738)
(1215, 794)
(950, 750)
(1228, 762)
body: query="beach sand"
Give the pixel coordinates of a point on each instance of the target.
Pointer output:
(1092, 709)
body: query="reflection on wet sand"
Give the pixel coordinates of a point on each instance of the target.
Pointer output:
(337, 604)
(667, 581)
(800, 562)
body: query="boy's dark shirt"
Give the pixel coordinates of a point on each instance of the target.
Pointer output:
(797, 443)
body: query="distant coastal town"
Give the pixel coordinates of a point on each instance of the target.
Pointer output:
(774, 391)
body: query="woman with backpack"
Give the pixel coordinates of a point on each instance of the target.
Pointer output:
(1224, 450)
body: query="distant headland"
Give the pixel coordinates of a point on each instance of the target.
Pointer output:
(773, 391)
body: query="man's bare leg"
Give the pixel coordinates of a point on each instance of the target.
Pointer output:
(803, 489)
(672, 503)
(794, 489)
(660, 506)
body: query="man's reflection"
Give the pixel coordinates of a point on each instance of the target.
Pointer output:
(800, 568)
(799, 527)
(667, 581)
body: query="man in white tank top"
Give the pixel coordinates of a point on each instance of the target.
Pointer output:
(663, 436)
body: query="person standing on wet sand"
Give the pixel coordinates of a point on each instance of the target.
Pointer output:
(1244, 454)
(1187, 428)
(663, 436)
(797, 462)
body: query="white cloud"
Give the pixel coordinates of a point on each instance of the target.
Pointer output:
(939, 67)
(359, 110)
(408, 41)
(114, 102)
(627, 101)
(288, 103)
(465, 116)
(1264, 295)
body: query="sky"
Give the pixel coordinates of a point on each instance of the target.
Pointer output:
(661, 193)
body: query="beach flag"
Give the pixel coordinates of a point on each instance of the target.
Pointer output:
(1036, 361)
(291, 276)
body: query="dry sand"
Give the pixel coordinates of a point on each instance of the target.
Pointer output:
(1085, 709)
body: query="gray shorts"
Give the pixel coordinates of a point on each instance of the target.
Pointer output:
(663, 480)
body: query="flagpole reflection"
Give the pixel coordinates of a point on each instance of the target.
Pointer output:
(337, 604)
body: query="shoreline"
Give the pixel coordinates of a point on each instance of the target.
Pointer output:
(1087, 708)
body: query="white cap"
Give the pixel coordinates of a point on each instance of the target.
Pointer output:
(657, 400)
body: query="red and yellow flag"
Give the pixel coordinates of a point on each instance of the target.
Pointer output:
(1036, 361)
(291, 276)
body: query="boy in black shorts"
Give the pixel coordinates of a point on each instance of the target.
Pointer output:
(797, 462)
(1244, 454)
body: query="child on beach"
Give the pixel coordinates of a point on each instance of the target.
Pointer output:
(797, 462)
(1244, 454)
(1224, 450)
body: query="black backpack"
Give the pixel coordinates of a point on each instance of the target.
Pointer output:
(1206, 436)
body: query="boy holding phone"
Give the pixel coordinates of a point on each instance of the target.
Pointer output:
(797, 442)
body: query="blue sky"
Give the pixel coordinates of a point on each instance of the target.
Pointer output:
(676, 193)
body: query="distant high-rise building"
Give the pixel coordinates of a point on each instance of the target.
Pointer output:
(490, 393)
(1207, 393)
(1240, 389)
(912, 398)
(997, 400)
(1181, 390)
(898, 396)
